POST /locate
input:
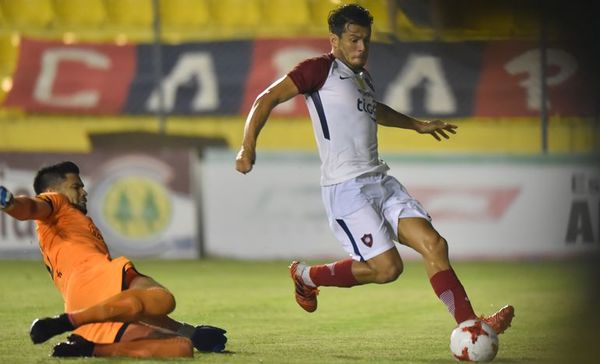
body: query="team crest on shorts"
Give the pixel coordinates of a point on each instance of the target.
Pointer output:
(367, 239)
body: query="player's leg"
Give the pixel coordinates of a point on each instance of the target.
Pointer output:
(143, 300)
(127, 306)
(130, 305)
(383, 268)
(138, 340)
(204, 337)
(367, 238)
(138, 281)
(419, 234)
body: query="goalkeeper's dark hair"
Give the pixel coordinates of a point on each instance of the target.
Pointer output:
(52, 175)
(345, 14)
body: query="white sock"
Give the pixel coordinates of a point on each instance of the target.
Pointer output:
(305, 275)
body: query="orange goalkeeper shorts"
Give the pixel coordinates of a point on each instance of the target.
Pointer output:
(93, 284)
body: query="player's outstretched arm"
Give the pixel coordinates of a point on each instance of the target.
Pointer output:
(280, 91)
(23, 207)
(389, 117)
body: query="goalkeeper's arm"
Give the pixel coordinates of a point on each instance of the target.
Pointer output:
(23, 207)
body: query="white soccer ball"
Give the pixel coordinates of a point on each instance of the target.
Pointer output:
(474, 340)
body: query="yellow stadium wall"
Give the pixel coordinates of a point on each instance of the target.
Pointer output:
(507, 136)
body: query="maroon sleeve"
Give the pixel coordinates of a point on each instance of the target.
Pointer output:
(310, 75)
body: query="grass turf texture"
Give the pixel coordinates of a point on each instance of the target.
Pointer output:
(401, 322)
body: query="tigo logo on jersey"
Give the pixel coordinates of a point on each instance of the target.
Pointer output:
(364, 105)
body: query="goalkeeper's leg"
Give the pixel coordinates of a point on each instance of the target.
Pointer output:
(203, 337)
(138, 341)
(131, 305)
(145, 301)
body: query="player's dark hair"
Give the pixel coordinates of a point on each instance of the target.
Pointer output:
(51, 175)
(345, 14)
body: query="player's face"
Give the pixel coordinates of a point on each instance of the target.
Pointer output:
(352, 47)
(72, 187)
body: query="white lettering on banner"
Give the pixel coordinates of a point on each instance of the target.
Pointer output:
(420, 69)
(13, 229)
(51, 60)
(529, 63)
(283, 61)
(199, 65)
(580, 223)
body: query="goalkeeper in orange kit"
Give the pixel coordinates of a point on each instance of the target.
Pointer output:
(112, 309)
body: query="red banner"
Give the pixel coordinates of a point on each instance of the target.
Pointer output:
(511, 77)
(52, 77)
(272, 59)
(423, 79)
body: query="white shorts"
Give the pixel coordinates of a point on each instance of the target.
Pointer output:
(364, 212)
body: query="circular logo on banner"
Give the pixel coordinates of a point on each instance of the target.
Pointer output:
(136, 207)
(132, 205)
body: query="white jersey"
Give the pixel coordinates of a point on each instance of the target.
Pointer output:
(342, 106)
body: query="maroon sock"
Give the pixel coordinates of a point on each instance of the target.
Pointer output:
(337, 274)
(452, 293)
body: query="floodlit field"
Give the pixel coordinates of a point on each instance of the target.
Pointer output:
(402, 322)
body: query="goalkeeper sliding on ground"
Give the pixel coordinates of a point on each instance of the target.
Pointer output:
(111, 308)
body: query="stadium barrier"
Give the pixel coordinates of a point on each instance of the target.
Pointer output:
(486, 207)
(142, 200)
(167, 203)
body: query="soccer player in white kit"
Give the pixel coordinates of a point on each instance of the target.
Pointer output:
(368, 210)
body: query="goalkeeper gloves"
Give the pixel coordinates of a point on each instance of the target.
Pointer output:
(6, 198)
(209, 338)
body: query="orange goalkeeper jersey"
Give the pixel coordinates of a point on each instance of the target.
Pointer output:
(80, 264)
(68, 240)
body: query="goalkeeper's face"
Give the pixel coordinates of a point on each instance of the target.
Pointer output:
(72, 187)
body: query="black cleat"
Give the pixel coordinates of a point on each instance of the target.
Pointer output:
(45, 328)
(74, 346)
(209, 338)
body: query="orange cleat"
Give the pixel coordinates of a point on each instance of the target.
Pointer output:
(306, 296)
(500, 321)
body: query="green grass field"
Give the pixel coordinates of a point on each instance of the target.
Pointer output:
(401, 322)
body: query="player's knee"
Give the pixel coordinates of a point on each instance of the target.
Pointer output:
(440, 247)
(435, 246)
(134, 305)
(163, 301)
(168, 301)
(389, 273)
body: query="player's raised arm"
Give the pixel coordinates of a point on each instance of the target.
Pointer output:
(23, 207)
(280, 91)
(389, 117)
